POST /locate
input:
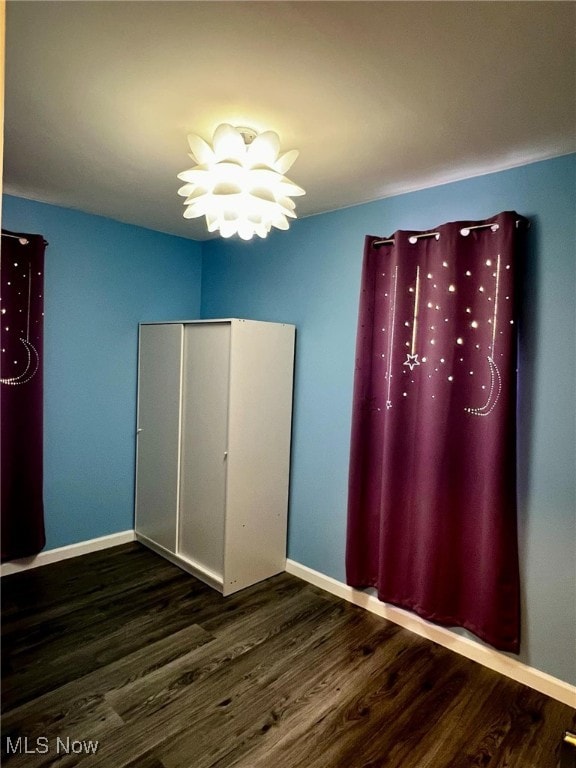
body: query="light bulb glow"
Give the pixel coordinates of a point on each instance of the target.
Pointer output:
(240, 189)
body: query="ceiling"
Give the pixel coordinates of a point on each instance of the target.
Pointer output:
(379, 97)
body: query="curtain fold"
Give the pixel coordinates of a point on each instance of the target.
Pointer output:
(432, 485)
(21, 393)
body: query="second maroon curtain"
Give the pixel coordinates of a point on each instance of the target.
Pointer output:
(432, 491)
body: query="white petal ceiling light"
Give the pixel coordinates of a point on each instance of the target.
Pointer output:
(239, 184)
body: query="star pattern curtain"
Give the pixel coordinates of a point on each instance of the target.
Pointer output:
(21, 393)
(432, 485)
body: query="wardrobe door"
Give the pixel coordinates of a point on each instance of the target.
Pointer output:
(159, 405)
(204, 447)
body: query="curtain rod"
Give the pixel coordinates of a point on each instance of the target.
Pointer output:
(465, 231)
(21, 240)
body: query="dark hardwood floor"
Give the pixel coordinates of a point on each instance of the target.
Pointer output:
(123, 649)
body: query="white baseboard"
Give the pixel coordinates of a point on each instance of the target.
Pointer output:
(63, 553)
(488, 657)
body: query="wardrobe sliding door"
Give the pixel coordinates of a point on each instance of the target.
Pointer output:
(159, 402)
(204, 446)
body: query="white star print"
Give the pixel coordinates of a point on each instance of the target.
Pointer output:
(411, 361)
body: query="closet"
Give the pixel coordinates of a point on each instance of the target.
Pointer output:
(213, 447)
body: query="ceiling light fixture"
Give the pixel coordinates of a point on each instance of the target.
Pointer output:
(239, 183)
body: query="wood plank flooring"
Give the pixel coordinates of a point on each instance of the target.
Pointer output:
(119, 659)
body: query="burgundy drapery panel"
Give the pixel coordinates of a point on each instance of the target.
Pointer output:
(432, 487)
(21, 392)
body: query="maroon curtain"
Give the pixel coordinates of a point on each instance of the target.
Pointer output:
(21, 343)
(432, 489)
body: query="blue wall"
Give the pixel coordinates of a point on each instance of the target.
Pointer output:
(310, 276)
(101, 279)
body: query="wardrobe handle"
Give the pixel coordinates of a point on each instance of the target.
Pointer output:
(225, 455)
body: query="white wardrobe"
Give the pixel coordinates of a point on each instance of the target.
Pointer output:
(213, 447)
